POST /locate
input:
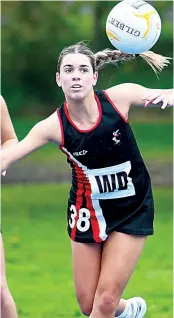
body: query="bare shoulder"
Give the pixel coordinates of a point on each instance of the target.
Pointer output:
(51, 128)
(120, 96)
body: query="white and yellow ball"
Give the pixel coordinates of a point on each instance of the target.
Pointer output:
(133, 26)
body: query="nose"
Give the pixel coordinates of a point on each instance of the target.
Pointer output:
(76, 79)
(76, 76)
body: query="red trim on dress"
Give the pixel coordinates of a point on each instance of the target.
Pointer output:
(79, 197)
(61, 128)
(86, 186)
(112, 103)
(93, 218)
(78, 204)
(83, 187)
(97, 123)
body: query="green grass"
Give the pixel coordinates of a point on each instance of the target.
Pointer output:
(38, 255)
(154, 139)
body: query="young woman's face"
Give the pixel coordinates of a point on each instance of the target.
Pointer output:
(76, 76)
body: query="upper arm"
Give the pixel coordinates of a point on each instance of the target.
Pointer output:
(125, 95)
(7, 130)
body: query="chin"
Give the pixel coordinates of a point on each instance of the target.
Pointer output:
(77, 96)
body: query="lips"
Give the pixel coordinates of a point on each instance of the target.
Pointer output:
(76, 86)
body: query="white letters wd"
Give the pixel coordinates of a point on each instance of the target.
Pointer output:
(111, 182)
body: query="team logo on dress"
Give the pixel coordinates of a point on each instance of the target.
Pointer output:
(116, 137)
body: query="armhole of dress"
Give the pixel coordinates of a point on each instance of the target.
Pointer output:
(61, 128)
(117, 110)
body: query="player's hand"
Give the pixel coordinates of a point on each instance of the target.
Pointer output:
(153, 96)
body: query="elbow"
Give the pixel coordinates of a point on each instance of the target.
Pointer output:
(9, 142)
(15, 140)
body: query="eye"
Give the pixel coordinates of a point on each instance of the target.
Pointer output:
(84, 70)
(68, 70)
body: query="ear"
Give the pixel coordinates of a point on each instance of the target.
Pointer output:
(58, 79)
(95, 78)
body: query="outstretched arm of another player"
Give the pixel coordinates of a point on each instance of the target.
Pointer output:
(8, 135)
(43, 132)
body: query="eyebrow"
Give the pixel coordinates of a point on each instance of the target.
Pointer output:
(70, 65)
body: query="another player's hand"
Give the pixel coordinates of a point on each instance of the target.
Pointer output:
(153, 96)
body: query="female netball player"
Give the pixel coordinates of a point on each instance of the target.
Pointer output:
(8, 137)
(110, 209)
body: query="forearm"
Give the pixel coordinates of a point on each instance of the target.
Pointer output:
(167, 90)
(29, 144)
(12, 153)
(39, 135)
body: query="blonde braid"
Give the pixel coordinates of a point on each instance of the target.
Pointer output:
(156, 61)
(111, 56)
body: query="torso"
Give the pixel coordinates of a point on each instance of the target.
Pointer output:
(108, 170)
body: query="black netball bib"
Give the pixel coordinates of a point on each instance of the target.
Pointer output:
(109, 179)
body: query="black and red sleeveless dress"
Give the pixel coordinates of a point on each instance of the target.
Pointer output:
(111, 187)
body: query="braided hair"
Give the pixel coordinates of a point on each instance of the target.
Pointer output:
(99, 59)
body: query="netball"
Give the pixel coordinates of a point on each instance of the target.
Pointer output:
(133, 26)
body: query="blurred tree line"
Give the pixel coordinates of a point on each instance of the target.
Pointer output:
(34, 33)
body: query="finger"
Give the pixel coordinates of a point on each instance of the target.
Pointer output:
(158, 99)
(148, 102)
(4, 173)
(171, 102)
(165, 102)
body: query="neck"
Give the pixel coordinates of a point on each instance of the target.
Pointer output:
(83, 111)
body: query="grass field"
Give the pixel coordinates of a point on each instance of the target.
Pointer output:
(38, 256)
(152, 128)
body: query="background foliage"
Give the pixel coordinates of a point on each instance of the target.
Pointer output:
(35, 32)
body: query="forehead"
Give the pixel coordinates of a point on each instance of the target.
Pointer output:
(75, 59)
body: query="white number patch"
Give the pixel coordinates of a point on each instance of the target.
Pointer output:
(83, 223)
(111, 182)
